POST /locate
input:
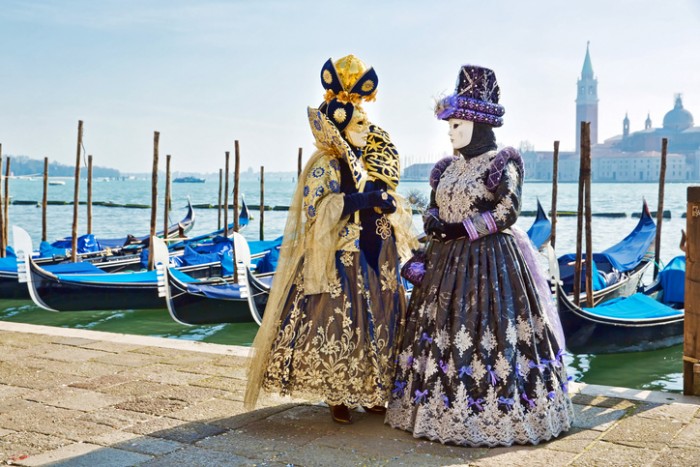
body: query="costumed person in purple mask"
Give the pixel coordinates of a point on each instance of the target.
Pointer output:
(481, 360)
(337, 306)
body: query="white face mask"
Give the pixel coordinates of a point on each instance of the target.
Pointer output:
(460, 132)
(357, 130)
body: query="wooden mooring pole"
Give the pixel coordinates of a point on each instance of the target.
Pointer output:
(2, 216)
(6, 202)
(236, 178)
(228, 156)
(262, 202)
(166, 209)
(579, 219)
(555, 179)
(154, 196)
(45, 201)
(691, 324)
(218, 205)
(660, 206)
(586, 160)
(89, 195)
(76, 195)
(299, 164)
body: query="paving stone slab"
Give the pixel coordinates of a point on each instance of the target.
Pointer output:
(136, 388)
(196, 457)
(678, 457)
(111, 347)
(21, 444)
(254, 445)
(137, 443)
(87, 369)
(40, 418)
(246, 418)
(161, 373)
(595, 418)
(86, 455)
(643, 432)
(235, 387)
(603, 401)
(215, 370)
(194, 394)
(72, 341)
(102, 382)
(65, 353)
(36, 378)
(155, 424)
(689, 436)
(576, 440)
(530, 456)
(683, 413)
(133, 360)
(189, 433)
(116, 418)
(74, 398)
(607, 454)
(10, 392)
(153, 405)
(210, 410)
(20, 339)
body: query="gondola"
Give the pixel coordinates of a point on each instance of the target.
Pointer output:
(215, 300)
(607, 327)
(108, 254)
(541, 229)
(94, 289)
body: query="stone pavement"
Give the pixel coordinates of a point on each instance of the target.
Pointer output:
(86, 398)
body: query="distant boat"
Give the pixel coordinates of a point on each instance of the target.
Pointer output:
(57, 182)
(188, 180)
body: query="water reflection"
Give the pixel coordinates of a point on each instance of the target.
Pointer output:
(657, 370)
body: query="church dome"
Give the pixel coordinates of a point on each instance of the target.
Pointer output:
(678, 119)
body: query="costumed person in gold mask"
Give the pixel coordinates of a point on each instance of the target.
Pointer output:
(337, 305)
(481, 360)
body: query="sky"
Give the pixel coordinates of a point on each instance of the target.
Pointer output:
(206, 73)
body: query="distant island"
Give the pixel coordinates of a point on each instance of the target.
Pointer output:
(188, 179)
(23, 166)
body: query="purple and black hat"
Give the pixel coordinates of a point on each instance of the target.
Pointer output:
(475, 98)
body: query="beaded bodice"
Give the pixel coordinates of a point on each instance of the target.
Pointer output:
(462, 189)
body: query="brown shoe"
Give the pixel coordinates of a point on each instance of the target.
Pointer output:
(377, 409)
(341, 414)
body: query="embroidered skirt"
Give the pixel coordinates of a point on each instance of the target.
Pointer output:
(479, 364)
(340, 346)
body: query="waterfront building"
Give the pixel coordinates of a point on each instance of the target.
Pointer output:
(632, 156)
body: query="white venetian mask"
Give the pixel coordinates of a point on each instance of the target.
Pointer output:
(460, 132)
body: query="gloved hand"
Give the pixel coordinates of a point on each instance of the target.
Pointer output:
(433, 226)
(454, 230)
(371, 199)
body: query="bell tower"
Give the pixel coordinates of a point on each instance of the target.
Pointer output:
(587, 101)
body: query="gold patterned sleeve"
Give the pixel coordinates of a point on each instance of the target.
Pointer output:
(323, 207)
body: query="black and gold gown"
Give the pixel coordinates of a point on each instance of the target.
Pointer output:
(479, 364)
(338, 342)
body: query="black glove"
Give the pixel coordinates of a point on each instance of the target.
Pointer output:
(371, 199)
(433, 226)
(454, 230)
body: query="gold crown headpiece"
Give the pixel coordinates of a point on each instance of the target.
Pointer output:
(347, 82)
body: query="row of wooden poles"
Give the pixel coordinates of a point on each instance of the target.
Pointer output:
(223, 185)
(585, 213)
